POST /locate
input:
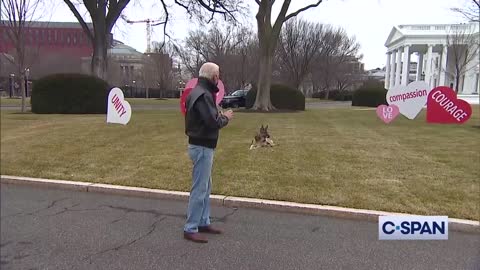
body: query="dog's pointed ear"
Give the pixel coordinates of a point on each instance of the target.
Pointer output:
(266, 127)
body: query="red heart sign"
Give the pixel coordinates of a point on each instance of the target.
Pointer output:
(191, 84)
(444, 107)
(183, 100)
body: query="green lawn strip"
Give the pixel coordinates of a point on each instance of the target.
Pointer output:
(336, 157)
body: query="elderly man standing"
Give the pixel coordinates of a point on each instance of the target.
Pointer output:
(202, 124)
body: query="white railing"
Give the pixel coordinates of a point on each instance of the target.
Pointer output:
(441, 27)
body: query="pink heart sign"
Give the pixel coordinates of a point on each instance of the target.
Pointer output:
(387, 113)
(221, 88)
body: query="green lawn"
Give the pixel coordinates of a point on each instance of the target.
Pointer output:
(315, 100)
(6, 101)
(133, 101)
(153, 101)
(137, 101)
(339, 157)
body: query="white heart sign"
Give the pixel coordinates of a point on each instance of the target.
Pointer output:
(409, 99)
(118, 109)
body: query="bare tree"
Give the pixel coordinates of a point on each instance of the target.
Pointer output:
(463, 45)
(19, 14)
(159, 69)
(336, 53)
(268, 36)
(348, 74)
(105, 13)
(298, 44)
(191, 51)
(471, 11)
(232, 48)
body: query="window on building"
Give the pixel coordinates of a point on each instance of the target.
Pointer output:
(75, 38)
(55, 36)
(68, 38)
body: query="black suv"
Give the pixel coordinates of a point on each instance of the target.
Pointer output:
(235, 100)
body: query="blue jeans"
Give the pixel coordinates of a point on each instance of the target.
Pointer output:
(198, 213)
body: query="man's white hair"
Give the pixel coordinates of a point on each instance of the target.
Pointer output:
(208, 70)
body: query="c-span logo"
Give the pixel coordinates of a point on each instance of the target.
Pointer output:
(413, 228)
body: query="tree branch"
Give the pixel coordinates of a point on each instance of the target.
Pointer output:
(114, 13)
(80, 19)
(301, 10)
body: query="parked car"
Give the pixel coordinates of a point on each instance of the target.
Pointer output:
(235, 100)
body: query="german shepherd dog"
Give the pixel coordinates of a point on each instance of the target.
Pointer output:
(262, 139)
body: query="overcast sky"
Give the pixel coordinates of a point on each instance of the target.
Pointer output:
(370, 21)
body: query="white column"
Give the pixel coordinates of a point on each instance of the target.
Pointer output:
(387, 71)
(392, 69)
(398, 68)
(443, 66)
(406, 64)
(470, 79)
(428, 68)
(419, 66)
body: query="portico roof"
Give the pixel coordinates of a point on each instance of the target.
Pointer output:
(423, 34)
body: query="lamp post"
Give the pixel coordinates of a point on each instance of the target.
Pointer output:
(12, 84)
(134, 88)
(27, 74)
(181, 86)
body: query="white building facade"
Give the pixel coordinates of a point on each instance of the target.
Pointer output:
(427, 45)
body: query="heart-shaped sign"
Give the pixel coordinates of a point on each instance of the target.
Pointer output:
(118, 109)
(409, 99)
(387, 113)
(183, 100)
(191, 84)
(444, 107)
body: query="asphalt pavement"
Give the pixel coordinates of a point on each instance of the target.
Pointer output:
(56, 229)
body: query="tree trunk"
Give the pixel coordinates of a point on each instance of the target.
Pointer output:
(22, 90)
(457, 82)
(99, 63)
(262, 101)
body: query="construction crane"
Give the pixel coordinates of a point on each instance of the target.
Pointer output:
(149, 23)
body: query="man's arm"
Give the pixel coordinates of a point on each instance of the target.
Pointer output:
(206, 107)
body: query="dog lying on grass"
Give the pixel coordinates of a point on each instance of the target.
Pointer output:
(262, 139)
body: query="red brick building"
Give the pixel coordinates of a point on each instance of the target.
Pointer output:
(51, 37)
(51, 47)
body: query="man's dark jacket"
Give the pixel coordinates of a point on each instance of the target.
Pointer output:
(202, 120)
